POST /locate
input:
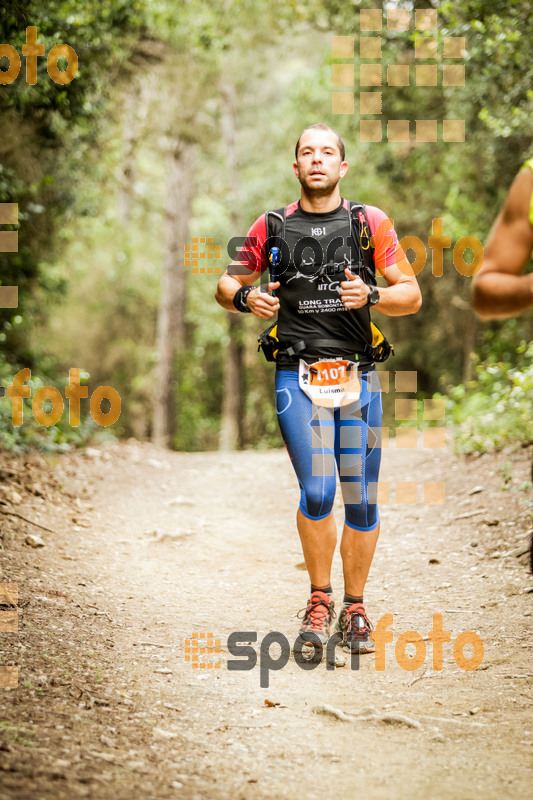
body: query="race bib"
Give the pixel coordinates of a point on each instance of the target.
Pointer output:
(331, 383)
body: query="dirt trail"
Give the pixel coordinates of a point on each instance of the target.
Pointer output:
(151, 546)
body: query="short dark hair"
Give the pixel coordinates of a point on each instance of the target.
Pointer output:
(320, 126)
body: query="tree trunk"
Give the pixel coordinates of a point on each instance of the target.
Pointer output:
(231, 427)
(172, 306)
(469, 343)
(125, 193)
(134, 119)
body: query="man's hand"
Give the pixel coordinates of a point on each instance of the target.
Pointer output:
(354, 291)
(263, 305)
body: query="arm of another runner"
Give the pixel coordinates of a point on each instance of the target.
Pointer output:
(499, 290)
(402, 294)
(245, 273)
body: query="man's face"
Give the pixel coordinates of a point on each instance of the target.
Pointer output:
(318, 166)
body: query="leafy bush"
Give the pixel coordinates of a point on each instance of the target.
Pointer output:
(497, 407)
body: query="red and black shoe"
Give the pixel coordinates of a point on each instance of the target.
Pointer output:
(317, 618)
(355, 627)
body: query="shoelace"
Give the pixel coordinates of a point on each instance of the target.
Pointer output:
(356, 630)
(313, 616)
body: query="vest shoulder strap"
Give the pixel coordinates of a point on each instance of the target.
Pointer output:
(275, 222)
(362, 236)
(275, 228)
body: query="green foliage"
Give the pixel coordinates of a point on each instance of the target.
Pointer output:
(46, 130)
(497, 407)
(89, 283)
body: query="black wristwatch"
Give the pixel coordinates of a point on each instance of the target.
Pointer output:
(373, 297)
(239, 299)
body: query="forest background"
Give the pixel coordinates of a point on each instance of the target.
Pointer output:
(181, 123)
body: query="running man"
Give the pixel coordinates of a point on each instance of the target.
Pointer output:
(500, 289)
(324, 314)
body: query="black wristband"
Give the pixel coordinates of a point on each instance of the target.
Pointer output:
(239, 299)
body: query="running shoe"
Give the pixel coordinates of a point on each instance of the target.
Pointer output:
(317, 617)
(355, 627)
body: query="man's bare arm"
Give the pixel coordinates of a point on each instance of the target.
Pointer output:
(499, 288)
(402, 295)
(260, 303)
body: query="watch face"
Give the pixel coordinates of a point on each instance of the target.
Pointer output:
(373, 297)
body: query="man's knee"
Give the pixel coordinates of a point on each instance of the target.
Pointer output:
(319, 497)
(363, 517)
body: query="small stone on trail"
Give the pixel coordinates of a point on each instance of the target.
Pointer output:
(519, 551)
(337, 661)
(164, 734)
(12, 496)
(33, 540)
(92, 452)
(475, 710)
(434, 561)
(400, 719)
(473, 544)
(180, 501)
(476, 490)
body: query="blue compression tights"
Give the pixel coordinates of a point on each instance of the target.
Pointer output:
(318, 437)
